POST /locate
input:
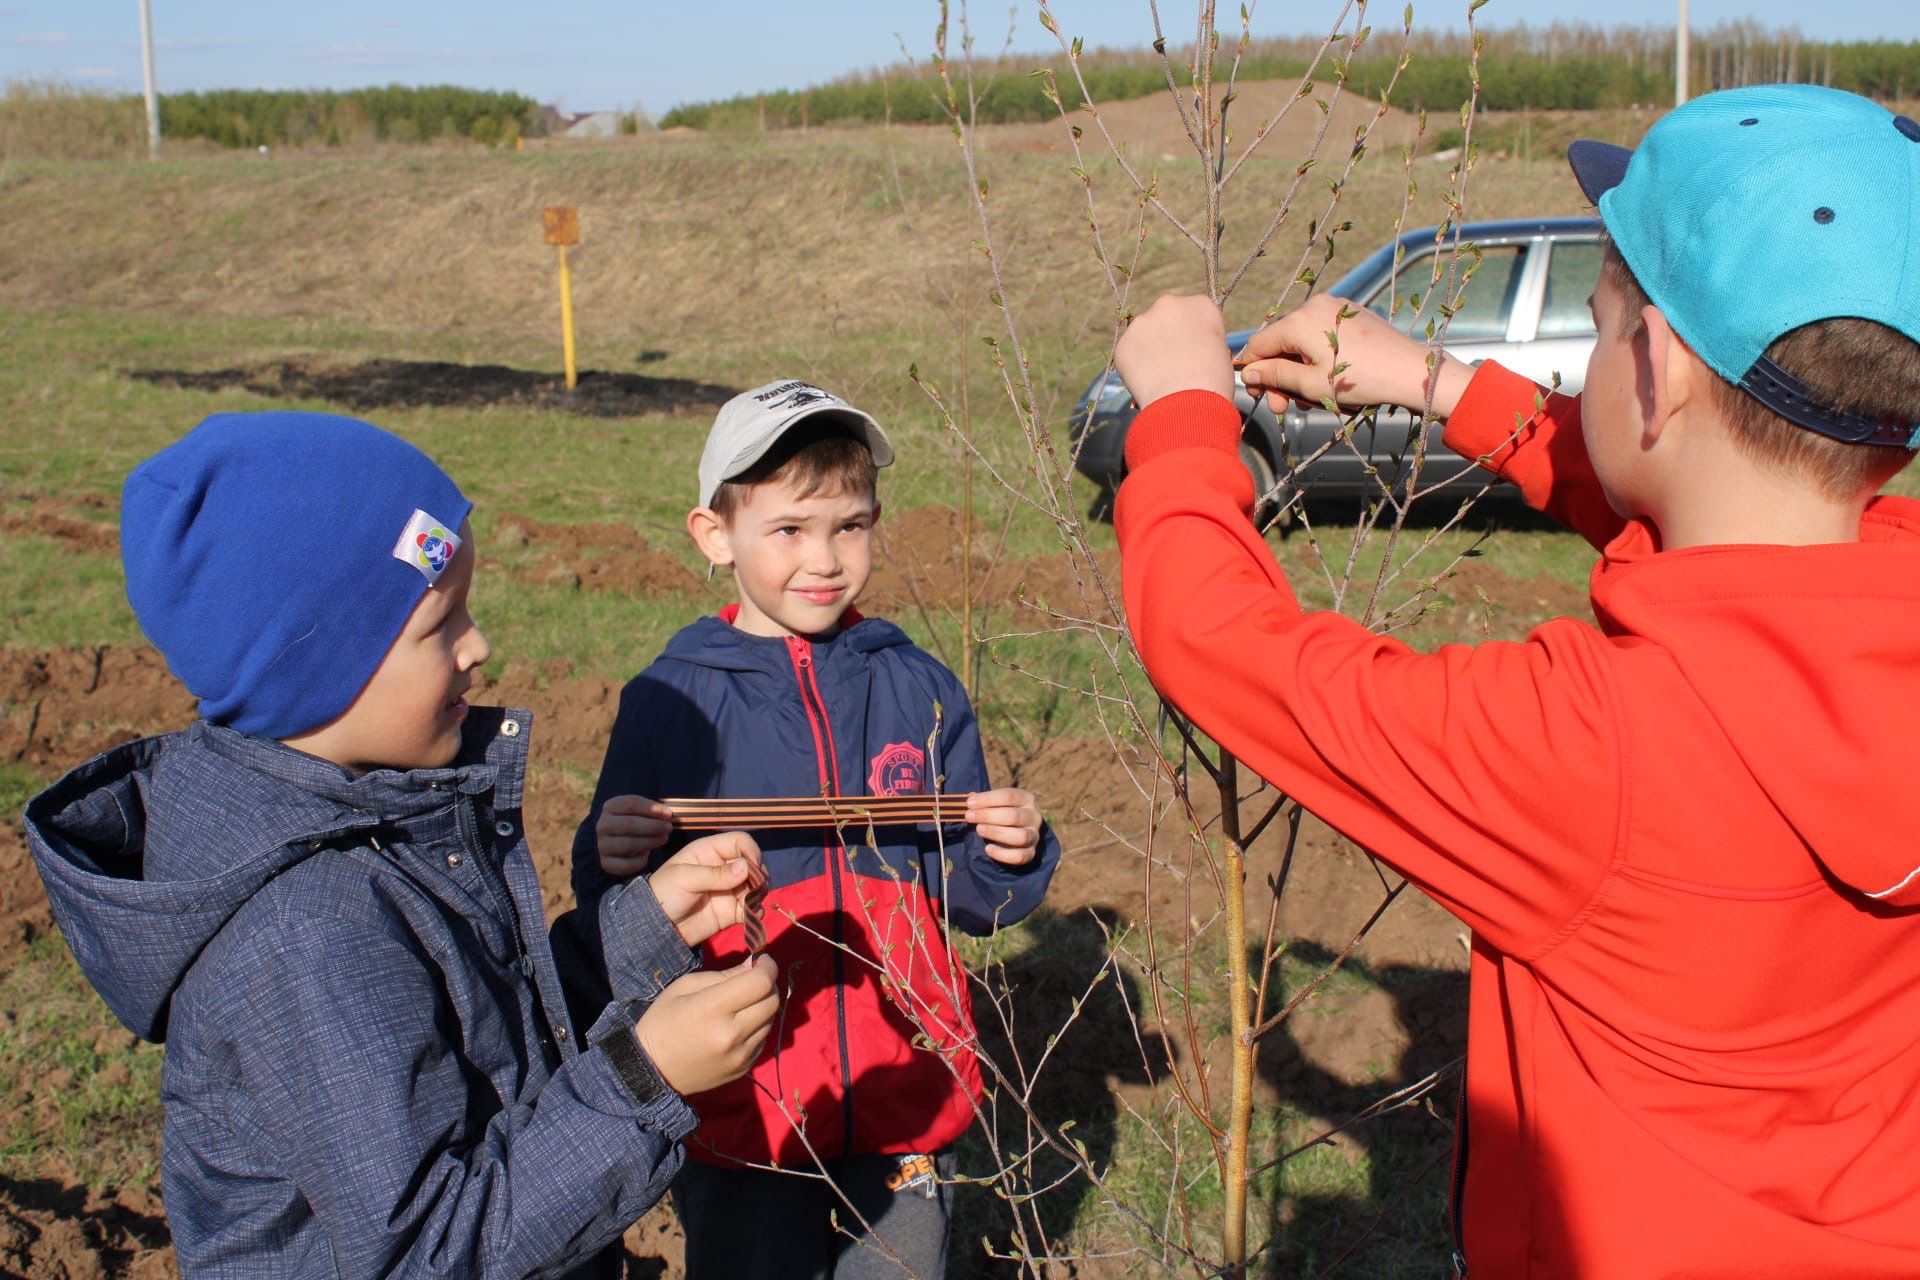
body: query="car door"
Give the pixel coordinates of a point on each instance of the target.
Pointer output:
(1559, 337)
(1500, 296)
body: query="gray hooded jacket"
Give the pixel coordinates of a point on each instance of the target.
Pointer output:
(372, 1064)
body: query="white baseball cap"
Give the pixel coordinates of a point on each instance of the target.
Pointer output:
(748, 425)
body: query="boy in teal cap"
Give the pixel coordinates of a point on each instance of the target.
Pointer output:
(1688, 839)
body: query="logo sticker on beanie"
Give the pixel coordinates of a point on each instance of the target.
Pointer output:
(426, 545)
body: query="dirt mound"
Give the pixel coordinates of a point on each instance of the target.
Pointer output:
(384, 384)
(923, 564)
(595, 557)
(1149, 128)
(59, 706)
(48, 518)
(51, 1232)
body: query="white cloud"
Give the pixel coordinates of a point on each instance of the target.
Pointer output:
(38, 39)
(94, 73)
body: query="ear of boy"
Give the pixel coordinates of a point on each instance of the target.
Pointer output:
(707, 1027)
(1663, 452)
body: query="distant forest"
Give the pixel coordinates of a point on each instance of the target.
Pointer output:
(49, 120)
(251, 117)
(1563, 66)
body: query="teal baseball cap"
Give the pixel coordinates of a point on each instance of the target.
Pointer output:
(1748, 213)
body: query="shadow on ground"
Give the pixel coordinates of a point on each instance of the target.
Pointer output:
(1397, 1227)
(386, 384)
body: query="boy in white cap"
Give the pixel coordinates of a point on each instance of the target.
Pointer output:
(790, 692)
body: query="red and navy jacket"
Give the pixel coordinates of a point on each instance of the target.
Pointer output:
(872, 1051)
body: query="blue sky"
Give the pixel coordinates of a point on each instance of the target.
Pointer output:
(588, 54)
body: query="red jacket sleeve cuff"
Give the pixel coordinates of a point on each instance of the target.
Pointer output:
(1183, 420)
(1497, 400)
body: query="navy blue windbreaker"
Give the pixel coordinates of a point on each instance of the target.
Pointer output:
(372, 1067)
(857, 926)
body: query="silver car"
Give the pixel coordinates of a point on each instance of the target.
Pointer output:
(1525, 307)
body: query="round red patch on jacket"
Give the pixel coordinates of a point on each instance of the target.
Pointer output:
(899, 770)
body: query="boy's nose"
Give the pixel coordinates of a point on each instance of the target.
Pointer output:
(475, 649)
(822, 559)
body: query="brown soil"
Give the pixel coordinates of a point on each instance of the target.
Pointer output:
(1149, 129)
(47, 518)
(53, 1232)
(595, 557)
(927, 562)
(383, 384)
(59, 706)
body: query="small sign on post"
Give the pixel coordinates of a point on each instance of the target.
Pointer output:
(562, 224)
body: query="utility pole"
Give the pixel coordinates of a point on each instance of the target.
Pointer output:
(1682, 57)
(153, 102)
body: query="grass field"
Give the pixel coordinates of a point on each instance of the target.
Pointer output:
(841, 256)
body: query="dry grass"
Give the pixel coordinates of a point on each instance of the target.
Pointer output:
(46, 120)
(834, 255)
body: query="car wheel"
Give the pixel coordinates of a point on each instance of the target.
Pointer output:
(1269, 497)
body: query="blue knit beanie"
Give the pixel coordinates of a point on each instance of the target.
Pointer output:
(274, 557)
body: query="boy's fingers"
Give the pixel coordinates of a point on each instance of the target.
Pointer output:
(760, 1013)
(636, 805)
(1010, 837)
(726, 846)
(632, 825)
(1010, 857)
(1006, 816)
(745, 987)
(715, 877)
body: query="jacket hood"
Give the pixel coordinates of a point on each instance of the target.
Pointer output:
(1809, 658)
(148, 849)
(714, 641)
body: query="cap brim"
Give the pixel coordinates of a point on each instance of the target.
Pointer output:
(864, 423)
(1598, 167)
(869, 427)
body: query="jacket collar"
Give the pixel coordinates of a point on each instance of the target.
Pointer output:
(493, 757)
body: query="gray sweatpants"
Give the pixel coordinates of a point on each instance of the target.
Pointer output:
(748, 1224)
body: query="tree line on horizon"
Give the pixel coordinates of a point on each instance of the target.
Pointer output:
(1565, 66)
(53, 120)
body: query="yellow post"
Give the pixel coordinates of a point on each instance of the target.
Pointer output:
(562, 225)
(566, 318)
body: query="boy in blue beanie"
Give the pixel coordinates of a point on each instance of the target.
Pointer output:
(320, 895)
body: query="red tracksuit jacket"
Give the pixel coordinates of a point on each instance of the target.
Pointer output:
(1686, 841)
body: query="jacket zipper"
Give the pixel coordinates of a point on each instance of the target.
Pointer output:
(497, 888)
(829, 762)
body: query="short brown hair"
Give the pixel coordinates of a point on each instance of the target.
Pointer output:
(819, 456)
(1851, 365)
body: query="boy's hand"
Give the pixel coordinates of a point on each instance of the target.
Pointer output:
(703, 887)
(708, 1027)
(1177, 344)
(630, 828)
(1008, 821)
(1292, 359)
